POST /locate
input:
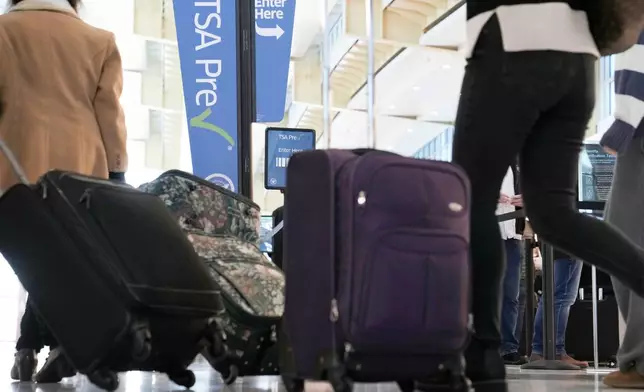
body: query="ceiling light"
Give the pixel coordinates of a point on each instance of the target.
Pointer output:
(447, 66)
(416, 88)
(392, 107)
(410, 130)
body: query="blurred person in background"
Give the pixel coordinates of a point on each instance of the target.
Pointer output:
(625, 207)
(567, 275)
(60, 84)
(511, 233)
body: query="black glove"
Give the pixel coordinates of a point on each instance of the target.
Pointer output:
(117, 176)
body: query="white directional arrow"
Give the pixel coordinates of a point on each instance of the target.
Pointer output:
(276, 31)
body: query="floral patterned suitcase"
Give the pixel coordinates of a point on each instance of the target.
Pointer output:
(201, 205)
(253, 291)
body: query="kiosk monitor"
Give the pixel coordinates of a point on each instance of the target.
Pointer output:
(281, 144)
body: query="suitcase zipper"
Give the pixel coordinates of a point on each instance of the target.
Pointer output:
(97, 181)
(209, 184)
(361, 201)
(87, 194)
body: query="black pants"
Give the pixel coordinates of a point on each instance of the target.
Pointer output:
(34, 334)
(536, 105)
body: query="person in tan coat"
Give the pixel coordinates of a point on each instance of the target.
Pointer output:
(60, 84)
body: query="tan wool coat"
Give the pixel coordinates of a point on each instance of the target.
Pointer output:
(60, 84)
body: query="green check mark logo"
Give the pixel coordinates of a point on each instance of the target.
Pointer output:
(200, 122)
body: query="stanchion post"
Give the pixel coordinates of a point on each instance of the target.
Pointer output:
(246, 92)
(529, 302)
(595, 323)
(548, 302)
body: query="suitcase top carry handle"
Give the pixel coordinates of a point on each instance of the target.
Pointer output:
(15, 166)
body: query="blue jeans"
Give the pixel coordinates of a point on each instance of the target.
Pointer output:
(510, 304)
(567, 276)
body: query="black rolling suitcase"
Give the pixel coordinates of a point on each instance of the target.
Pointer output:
(112, 275)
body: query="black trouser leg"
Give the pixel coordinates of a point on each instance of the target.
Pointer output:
(34, 334)
(491, 126)
(549, 162)
(30, 330)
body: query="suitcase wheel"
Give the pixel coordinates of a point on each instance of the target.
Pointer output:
(407, 385)
(216, 350)
(337, 376)
(184, 378)
(104, 379)
(461, 384)
(229, 374)
(141, 345)
(292, 384)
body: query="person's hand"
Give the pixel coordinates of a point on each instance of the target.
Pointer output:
(538, 263)
(610, 150)
(504, 199)
(517, 201)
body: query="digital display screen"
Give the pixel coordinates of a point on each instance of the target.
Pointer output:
(595, 173)
(281, 144)
(265, 229)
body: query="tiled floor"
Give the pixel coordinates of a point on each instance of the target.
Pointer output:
(209, 381)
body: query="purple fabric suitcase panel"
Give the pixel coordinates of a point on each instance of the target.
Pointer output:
(309, 261)
(402, 236)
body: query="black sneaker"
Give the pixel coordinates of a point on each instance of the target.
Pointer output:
(24, 365)
(56, 368)
(515, 359)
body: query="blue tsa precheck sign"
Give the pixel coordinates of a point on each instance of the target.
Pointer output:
(207, 38)
(274, 21)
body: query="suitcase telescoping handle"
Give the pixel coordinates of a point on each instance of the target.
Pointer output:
(15, 166)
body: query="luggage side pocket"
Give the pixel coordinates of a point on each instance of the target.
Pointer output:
(415, 292)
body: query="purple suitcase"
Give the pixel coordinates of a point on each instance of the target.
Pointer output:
(376, 257)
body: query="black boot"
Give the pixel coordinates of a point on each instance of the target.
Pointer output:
(24, 365)
(55, 368)
(485, 371)
(485, 367)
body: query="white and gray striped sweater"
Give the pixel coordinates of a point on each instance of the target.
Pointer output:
(629, 98)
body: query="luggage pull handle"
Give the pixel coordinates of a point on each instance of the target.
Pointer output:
(13, 162)
(371, 74)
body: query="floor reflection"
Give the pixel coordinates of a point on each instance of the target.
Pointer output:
(209, 381)
(11, 300)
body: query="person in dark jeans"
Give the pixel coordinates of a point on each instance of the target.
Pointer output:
(567, 274)
(528, 90)
(523, 295)
(511, 302)
(512, 233)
